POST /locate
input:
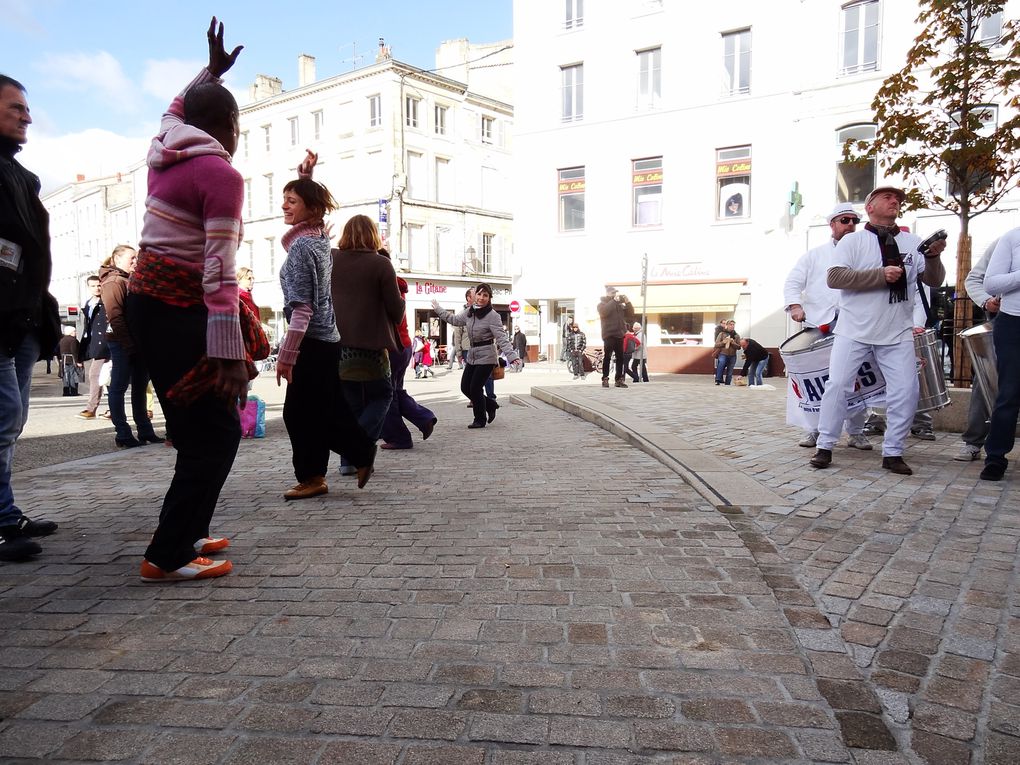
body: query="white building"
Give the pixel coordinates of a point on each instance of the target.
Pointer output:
(420, 152)
(648, 127)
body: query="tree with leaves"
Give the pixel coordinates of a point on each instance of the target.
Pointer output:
(940, 123)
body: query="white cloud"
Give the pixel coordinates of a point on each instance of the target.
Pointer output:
(99, 73)
(93, 153)
(165, 78)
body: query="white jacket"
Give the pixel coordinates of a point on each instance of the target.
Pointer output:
(806, 285)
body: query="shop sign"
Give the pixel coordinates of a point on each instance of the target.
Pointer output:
(429, 288)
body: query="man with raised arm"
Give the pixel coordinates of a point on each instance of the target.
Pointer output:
(182, 311)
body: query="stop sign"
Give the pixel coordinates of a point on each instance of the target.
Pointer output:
(515, 307)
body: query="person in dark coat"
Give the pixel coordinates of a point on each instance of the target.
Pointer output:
(94, 350)
(616, 314)
(756, 358)
(521, 345)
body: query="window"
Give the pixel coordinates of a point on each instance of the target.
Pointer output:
(441, 249)
(374, 111)
(265, 129)
(439, 122)
(649, 88)
(244, 144)
(573, 92)
(416, 186)
(444, 180)
(860, 37)
(646, 180)
(411, 111)
(488, 125)
(247, 198)
(733, 183)
(295, 131)
(271, 245)
(990, 29)
(417, 251)
(270, 201)
(488, 251)
(317, 124)
(854, 180)
(737, 62)
(574, 17)
(571, 193)
(249, 247)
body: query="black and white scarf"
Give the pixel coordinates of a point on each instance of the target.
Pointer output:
(891, 257)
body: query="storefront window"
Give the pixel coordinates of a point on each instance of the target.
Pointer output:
(681, 328)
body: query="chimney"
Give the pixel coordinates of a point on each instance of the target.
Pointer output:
(265, 87)
(384, 52)
(305, 69)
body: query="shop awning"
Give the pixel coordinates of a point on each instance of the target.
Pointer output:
(708, 297)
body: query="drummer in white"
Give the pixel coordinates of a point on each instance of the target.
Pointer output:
(875, 270)
(811, 301)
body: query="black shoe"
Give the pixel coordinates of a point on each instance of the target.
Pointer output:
(605, 382)
(491, 407)
(822, 458)
(477, 424)
(993, 472)
(16, 549)
(29, 528)
(897, 465)
(128, 443)
(153, 439)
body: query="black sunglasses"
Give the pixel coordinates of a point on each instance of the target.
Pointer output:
(845, 221)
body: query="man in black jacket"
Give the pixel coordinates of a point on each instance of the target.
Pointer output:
(29, 322)
(617, 314)
(94, 349)
(756, 358)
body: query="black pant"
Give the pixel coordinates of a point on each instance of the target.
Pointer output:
(205, 433)
(472, 384)
(643, 364)
(612, 345)
(317, 416)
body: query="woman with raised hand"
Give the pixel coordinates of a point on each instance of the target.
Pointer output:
(486, 332)
(317, 419)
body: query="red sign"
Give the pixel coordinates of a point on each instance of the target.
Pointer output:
(515, 307)
(72, 310)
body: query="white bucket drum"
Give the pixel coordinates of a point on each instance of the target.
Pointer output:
(982, 360)
(931, 382)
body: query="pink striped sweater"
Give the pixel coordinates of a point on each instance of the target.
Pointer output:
(193, 217)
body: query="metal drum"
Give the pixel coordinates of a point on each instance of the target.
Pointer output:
(982, 358)
(802, 342)
(931, 382)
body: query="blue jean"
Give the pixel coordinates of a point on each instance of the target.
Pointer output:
(15, 384)
(128, 368)
(1001, 434)
(403, 406)
(757, 370)
(724, 368)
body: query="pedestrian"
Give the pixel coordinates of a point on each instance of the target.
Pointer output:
(185, 279)
(575, 343)
(486, 332)
(460, 335)
(314, 411)
(245, 285)
(417, 351)
(94, 348)
(520, 342)
(631, 345)
(368, 307)
(726, 343)
(395, 434)
(68, 351)
(426, 358)
(811, 301)
(875, 269)
(1003, 279)
(976, 432)
(756, 360)
(128, 365)
(639, 356)
(616, 314)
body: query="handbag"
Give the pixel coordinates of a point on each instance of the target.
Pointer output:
(105, 373)
(498, 372)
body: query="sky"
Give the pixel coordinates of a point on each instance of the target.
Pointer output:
(99, 74)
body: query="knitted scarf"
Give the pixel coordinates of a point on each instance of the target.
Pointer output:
(478, 313)
(298, 230)
(891, 257)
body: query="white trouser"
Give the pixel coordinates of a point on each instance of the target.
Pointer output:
(854, 425)
(899, 367)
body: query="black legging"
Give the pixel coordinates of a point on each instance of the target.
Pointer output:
(472, 384)
(612, 345)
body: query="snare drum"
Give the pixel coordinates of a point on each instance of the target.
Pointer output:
(931, 382)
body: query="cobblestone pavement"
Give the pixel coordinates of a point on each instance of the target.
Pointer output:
(556, 597)
(916, 575)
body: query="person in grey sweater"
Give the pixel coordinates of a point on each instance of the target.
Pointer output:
(486, 331)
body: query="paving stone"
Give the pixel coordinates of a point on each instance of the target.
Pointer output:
(590, 733)
(673, 736)
(717, 710)
(944, 721)
(444, 755)
(106, 745)
(516, 729)
(189, 749)
(849, 695)
(939, 750)
(1002, 750)
(864, 731)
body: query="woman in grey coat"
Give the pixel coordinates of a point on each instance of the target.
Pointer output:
(486, 332)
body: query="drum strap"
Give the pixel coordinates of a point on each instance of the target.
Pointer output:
(929, 320)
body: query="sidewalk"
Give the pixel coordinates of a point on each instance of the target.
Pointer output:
(539, 592)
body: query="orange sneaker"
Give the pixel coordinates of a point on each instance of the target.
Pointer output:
(313, 487)
(199, 568)
(207, 545)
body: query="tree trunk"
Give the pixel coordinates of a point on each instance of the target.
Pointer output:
(963, 313)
